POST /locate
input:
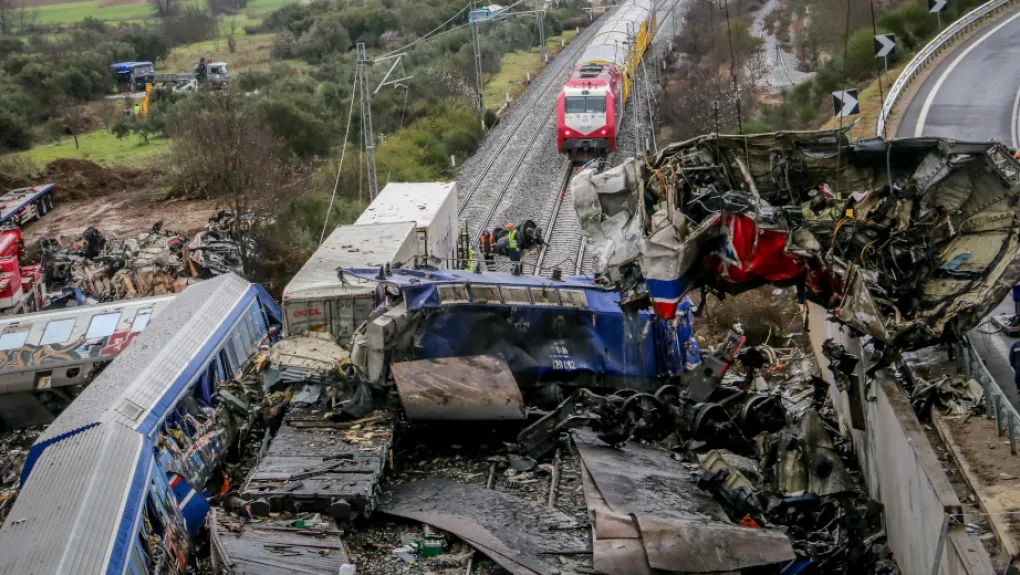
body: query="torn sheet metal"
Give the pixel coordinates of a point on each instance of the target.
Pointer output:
(808, 461)
(913, 257)
(306, 356)
(477, 388)
(522, 536)
(265, 548)
(647, 505)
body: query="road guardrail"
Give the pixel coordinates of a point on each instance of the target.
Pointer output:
(946, 37)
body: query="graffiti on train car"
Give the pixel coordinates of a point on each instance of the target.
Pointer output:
(81, 347)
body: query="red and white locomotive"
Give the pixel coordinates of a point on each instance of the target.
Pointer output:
(590, 107)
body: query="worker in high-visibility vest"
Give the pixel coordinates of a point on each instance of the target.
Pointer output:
(488, 249)
(513, 249)
(471, 258)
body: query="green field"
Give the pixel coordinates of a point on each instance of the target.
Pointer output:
(102, 148)
(75, 11)
(514, 68)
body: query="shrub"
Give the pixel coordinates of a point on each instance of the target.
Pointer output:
(326, 36)
(284, 45)
(14, 131)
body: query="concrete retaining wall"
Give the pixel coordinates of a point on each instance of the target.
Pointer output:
(900, 466)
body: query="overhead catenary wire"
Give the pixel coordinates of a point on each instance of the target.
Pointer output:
(432, 35)
(339, 168)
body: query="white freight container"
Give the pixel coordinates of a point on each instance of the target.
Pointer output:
(316, 300)
(431, 205)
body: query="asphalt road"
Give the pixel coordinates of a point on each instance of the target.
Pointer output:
(974, 94)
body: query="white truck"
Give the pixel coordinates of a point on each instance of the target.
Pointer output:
(432, 206)
(317, 300)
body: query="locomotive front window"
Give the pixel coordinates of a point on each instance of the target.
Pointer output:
(595, 104)
(574, 105)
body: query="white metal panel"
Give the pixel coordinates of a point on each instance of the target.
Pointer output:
(442, 233)
(357, 246)
(407, 202)
(317, 300)
(70, 508)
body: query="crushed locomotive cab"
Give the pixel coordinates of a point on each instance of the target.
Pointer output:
(910, 241)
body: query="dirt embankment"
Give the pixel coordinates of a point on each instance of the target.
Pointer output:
(118, 201)
(81, 179)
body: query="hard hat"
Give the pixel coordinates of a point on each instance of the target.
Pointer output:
(509, 225)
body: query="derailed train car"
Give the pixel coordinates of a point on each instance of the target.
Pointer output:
(569, 331)
(911, 241)
(113, 485)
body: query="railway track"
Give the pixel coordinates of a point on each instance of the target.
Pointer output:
(564, 245)
(497, 178)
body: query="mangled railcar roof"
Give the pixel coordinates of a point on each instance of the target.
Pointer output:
(911, 240)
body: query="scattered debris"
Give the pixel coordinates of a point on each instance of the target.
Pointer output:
(93, 268)
(14, 446)
(522, 536)
(242, 546)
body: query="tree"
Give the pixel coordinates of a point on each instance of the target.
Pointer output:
(164, 8)
(327, 36)
(72, 118)
(222, 149)
(8, 10)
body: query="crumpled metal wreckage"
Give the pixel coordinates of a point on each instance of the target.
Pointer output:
(910, 241)
(93, 268)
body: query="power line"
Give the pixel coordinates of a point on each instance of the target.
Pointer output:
(433, 31)
(343, 150)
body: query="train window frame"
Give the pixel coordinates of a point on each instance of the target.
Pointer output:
(228, 359)
(568, 100)
(245, 333)
(239, 348)
(55, 337)
(601, 100)
(20, 336)
(142, 313)
(222, 365)
(255, 331)
(102, 326)
(485, 293)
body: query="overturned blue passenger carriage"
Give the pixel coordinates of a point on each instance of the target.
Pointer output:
(570, 330)
(113, 486)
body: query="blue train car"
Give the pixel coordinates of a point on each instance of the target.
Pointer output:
(571, 330)
(114, 485)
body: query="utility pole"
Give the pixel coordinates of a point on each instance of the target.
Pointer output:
(478, 65)
(366, 121)
(541, 30)
(733, 67)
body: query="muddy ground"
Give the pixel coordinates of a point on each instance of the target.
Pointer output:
(120, 201)
(122, 214)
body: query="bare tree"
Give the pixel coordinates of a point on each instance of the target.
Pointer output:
(8, 10)
(72, 118)
(165, 8)
(223, 150)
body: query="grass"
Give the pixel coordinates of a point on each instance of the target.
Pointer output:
(253, 52)
(69, 12)
(514, 68)
(100, 147)
(870, 105)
